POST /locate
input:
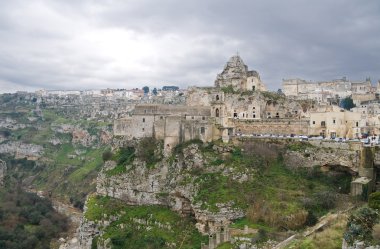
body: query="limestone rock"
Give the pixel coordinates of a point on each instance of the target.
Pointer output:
(22, 150)
(3, 171)
(164, 185)
(82, 137)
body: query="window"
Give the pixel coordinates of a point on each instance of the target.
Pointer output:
(144, 111)
(243, 115)
(217, 97)
(313, 122)
(143, 129)
(333, 121)
(323, 124)
(254, 115)
(357, 124)
(161, 117)
(143, 120)
(217, 113)
(202, 130)
(203, 118)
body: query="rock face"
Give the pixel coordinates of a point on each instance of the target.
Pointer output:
(22, 150)
(169, 184)
(347, 160)
(81, 136)
(358, 245)
(3, 171)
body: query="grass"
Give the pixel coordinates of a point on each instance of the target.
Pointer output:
(330, 238)
(225, 245)
(241, 223)
(94, 162)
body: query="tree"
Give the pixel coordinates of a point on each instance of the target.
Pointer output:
(146, 89)
(347, 103)
(154, 91)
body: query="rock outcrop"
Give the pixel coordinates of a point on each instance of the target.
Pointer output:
(339, 159)
(22, 150)
(3, 171)
(358, 245)
(168, 183)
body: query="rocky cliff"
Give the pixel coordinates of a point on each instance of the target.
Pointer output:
(3, 171)
(22, 150)
(170, 183)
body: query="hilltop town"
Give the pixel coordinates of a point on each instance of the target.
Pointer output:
(231, 165)
(239, 104)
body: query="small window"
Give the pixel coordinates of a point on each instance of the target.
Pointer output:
(202, 130)
(192, 117)
(333, 121)
(235, 115)
(203, 118)
(254, 115)
(313, 122)
(143, 129)
(161, 117)
(143, 120)
(357, 124)
(217, 97)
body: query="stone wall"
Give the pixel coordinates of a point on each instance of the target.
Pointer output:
(271, 126)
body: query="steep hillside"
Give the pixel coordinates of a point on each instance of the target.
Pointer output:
(51, 150)
(219, 185)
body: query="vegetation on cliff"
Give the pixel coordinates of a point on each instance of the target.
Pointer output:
(142, 226)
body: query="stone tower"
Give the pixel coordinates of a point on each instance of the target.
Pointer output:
(237, 75)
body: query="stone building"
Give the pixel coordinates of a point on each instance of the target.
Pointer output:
(174, 124)
(237, 75)
(330, 91)
(331, 121)
(238, 104)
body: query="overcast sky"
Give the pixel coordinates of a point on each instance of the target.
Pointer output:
(90, 44)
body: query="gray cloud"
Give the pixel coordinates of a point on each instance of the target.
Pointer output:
(98, 44)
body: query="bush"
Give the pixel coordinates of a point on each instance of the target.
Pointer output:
(311, 218)
(374, 200)
(360, 224)
(107, 155)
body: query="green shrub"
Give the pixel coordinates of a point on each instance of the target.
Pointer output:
(107, 155)
(125, 155)
(360, 224)
(149, 150)
(374, 200)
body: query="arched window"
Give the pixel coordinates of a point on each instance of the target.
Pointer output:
(217, 97)
(217, 113)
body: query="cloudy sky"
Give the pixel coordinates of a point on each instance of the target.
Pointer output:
(92, 44)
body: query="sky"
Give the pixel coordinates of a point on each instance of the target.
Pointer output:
(97, 44)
